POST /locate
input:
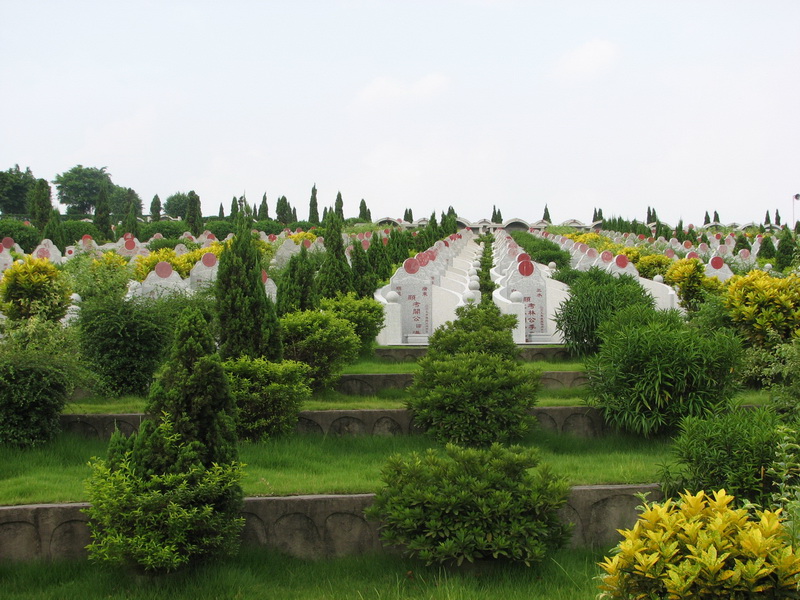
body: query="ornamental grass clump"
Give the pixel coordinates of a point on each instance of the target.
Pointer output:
(700, 547)
(471, 504)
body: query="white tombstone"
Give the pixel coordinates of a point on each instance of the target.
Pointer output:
(160, 281)
(269, 286)
(717, 268)
(6, 260)
(204, 272)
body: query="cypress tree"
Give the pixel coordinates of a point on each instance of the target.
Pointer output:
(499, 216)
(155, 208)
(221, 214)
(248, 322)
(766, 219)
(398, 246)
(102, 214)
(294, 214)
(54, 230)
(494, 214)
(39, 204)
(313, 210)
(408, 216)
(716, 217)
(194, 218)
(379, 259)
(131, 223)
(324, 213)
(297, 289)
(335, 275)
(784, 255)
(338, 206)
(365, 279)
(546, 215)
(777, 218)
(363, 212)
(283, 211)
(600, 214)
(234, 209)
(263, 209)
(741, 243)
(706, 219)
(767, 248)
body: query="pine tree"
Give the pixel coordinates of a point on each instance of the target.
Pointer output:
(248, 322)
(263, 209)
(313, 210)
(40, 206)
(131, 223)
(499, 216)
(324, 213)
(777, 218)
(335, 275)
(716, 217)
(647, 218)
(706, 219)
(221, 214)
(784, 255)
(398, 246)
(155, 208)
(102, 214)
(234, 209)
(594, 215)
(283, 211)
(546, 214)
(338, 206)
(600, 214)
(767, 248)
(365, 279)
(766, 219)
(741, 243)
(378, 257)
(297, 289)
(494, 214)
(363, 212)
(194, 218)
(408, 216)
(54, 230)
(294, 214)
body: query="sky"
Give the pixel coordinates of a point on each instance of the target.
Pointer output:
(683, 106)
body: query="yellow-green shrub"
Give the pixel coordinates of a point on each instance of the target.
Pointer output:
(653, 264)
(34, 287)
(688, 275)
(181, 264)
(700, 547)
(765, 308)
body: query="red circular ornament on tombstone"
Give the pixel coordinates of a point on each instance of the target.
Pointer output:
(272, 237)
(158, 236)
(411, 265)
(422, 258)
(744, 253)
(591, 253)
(717, 262)
(687, 244)
(385, 241)
(387, 231)
(43, 253)
(525, 268)
(670, 253)
(365, 244)
(693, 254)
(651, 239)
(264, 276)
(307, 243)
(189, 237)
(718, 236)
(127, 236)
(210, 236)
(622, 261)
(163, 269)
(209, 259)
(641, 236)
(360, 236)
(523, 256)
(607, 256)
(368, 234)
(298, 230)
(8, 242)
(130, 244)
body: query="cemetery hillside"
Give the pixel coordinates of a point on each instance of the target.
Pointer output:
(262, 403)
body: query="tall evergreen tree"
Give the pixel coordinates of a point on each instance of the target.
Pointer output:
(706, 219)
(263, 209)
(338, 206)
(54, 230)
(784, 255)
(283, 211)
(408, 216)
(363, 212)
(379, 259)
(297, 289)
(398, 246)
(194, 217)
(494, 214)
(294, 214)
(716, 217)
(335, 275)
(499, 216)
(767, 248)
(131, 223)
(40, 206)
(155, 208)
(365, 279)
(594, 215)
(313, 210)
(248, 323)
(766, 219)
(546, 215)
(234, 209)
(221, 214)
(102, 214)
(777, 218)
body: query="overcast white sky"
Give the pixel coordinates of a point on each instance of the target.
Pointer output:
(685, 106)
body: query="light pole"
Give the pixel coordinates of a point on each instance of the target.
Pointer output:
(796, 198)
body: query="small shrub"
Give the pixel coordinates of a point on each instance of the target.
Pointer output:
(734, 451)
(700, 547)
(653, 264)
(167, 228)
(26, 236)
(470, 505)
(653, 369)
(34, 288)
(595, 296)
(365, 314)
(763, 307)
(542, 250)
(477, 328)
(688, 277)
(323, 341)
(473, 399)
(93, 277)
(268, 395)
(75, 230)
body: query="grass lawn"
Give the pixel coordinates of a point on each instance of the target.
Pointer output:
(258, 573)
(376, 365)
(316, 464)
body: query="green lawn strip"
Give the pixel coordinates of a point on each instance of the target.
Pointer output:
(376, 365)
(258, 573)
(315, 464)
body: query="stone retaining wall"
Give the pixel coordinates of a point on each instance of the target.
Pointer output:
(576, 420)
(305, 526)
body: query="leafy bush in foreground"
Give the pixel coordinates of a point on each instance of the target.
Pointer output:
(471, 504)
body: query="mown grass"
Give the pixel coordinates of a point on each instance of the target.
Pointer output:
(377, 365)
(316, 464)
(257, 573)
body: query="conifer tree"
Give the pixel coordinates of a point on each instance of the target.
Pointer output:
(706, 219)
(767, 248)
(221, 214)
(741, 243)
(39, 204)
(499, 216)
(784, 255)
(263, 209)
(283, 211)
(777, 218)
(313, 209)
(766, 219)
(294, 214)
(54, 230)
(335, 275)
(365, 279)
(102, 214)
(234, 209)
(408, 216)
(248, 322)
(155, 208)
(297, 289)
(338, 206)
(324, 213)
(594, 215)
(379, 259)
(194, 218)
(716, 217)
(494, 214)
(398, 246)
(546, 214)
(131, 223)
(363, 212)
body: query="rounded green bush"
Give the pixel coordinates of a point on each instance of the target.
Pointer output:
(34, 287)
(26, 236)
(471, 504)
(323, 341)
(366, 315)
